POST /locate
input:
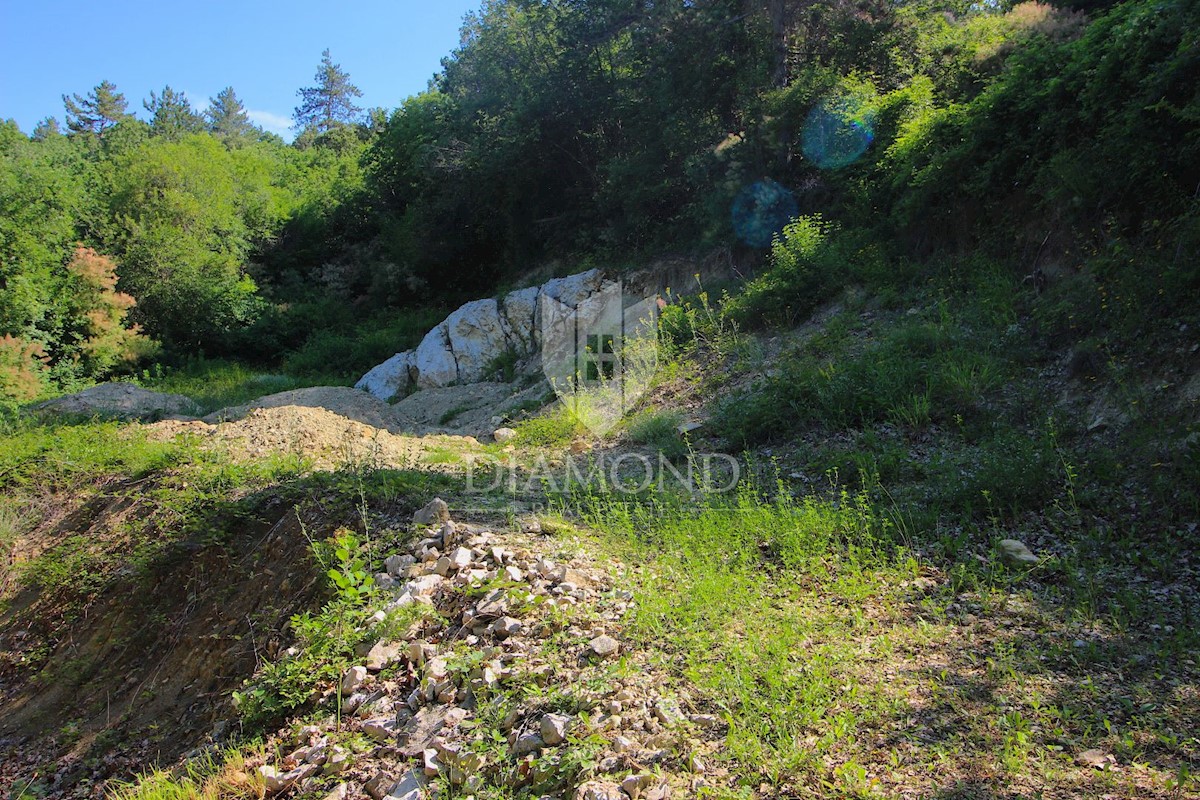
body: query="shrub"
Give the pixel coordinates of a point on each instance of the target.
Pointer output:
(100, 310)
(806, 268)
(22, 369)
(660, 430)
(556, 427)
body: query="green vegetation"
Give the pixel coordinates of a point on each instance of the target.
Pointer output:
(552, 428)
(895, 133)
(659, 429)
(207, 778)
(844, 662)
(970, 233)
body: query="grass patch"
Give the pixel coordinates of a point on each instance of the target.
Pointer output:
(216, 383)
(845, 666)
(56, 454)
(659, 429)
(205, 778)
(554, 428)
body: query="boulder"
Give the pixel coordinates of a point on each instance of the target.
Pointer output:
(460, 348)
(434, 512)
(520, 314)
(391, 378)
(120, 401)
(1016, 555)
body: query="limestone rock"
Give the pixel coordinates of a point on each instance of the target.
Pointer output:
(604, 646)
(502, 435)
(1015, 554)
(599, 790)
(477, 336)
(396, 565)
(382, 654)
(554, 728)
(520, 309)
(635, 784)
(506, 627)
(353, 679)
(122, 401)
(381, 729)
(389, 379)
(380, 785)
(433, 360)
(1097, 759)
(528, 743)
(409, 787)
(433, 513)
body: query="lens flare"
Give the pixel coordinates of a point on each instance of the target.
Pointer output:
(761, 210)
(837, 132)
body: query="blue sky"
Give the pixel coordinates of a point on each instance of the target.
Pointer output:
(265, 50)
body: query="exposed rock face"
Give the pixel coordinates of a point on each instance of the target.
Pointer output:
(462, 347)
(389, 379)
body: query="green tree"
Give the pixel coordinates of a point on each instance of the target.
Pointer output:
(42, 198)
(329, 104)
(46, 129)
(171, 115)
(185, 217)
(103, 107)
(227, 119)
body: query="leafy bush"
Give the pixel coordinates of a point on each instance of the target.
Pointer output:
(792, 286)
(22, 369)
(660, 430)
(325, 639)
(343, 356)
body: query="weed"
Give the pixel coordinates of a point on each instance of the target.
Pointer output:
(206, 778)
(660, 430)
(553, 428)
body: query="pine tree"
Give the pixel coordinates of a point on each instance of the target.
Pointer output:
(46, 129)
(171, 115)
(329, 104)
(227, 118)
(103, 107)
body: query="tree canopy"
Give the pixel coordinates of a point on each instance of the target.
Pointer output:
(581, 131)
(330, 103)
(102, 108)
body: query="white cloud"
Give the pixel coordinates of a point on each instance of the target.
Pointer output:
(268, 121)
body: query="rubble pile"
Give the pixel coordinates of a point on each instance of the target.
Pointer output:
(512, 673)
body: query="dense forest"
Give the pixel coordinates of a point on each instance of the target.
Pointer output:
(1048, 137)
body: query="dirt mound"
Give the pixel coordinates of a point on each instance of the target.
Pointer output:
(466, 410)
(341, 400)
(470, 408)
(327, 438)
(120, 400)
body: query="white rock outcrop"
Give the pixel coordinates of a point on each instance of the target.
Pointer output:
(391, 378)
(461, 348)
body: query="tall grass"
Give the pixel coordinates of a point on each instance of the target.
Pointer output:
(729, 593)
